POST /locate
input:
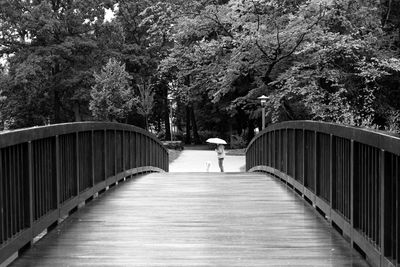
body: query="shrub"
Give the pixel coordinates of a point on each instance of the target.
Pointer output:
(176, 145)
(238, 141)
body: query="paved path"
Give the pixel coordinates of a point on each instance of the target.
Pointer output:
(195, 161)
(194, 219)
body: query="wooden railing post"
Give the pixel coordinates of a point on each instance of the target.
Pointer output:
(77, 163)
(352, 190)
(294, 153)
(57, 162)
(315, 152)
(287, 152)
(148, 151)
(152, 153)
(133, 148)
(304, 159)
(275, 153)
(382, 204)
(156, 155)
(142, 151)
(30, 176)
(261, 150)
(115, 153)
(123, 151)
(280, 154)
(137, 154)
(93, 161)
(2, 235)
(330, 174)
(160, 157)
(105, 156)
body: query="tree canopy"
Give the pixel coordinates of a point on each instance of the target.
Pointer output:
(112, 97)
(326, 60)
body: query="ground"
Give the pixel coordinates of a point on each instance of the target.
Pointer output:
(173, 154)
(195, 159)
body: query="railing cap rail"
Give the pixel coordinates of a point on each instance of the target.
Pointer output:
(13, 137)
(379, 139)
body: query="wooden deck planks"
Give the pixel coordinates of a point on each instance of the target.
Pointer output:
(194, 219)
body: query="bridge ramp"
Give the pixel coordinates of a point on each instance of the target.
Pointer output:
(194, 219)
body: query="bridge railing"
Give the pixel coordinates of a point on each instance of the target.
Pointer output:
(46, 172)
(349, 174)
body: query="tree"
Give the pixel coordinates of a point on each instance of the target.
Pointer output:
(52, 49)
(145, 100)
(322, 60)
(329, 60)
(342, 74)
(112, 96)
(147, 27)
(228, 53)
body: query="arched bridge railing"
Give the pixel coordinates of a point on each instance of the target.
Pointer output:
(349, 174)
(45, 172)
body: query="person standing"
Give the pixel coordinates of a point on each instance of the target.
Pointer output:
(221, 155)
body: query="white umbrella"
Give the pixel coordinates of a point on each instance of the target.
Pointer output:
(217, 141)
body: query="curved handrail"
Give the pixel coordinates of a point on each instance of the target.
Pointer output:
(381, 139)
(8, 138)
(352, 175)
(47, 171)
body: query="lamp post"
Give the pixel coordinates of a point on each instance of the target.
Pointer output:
(170, 99)
(263, 100)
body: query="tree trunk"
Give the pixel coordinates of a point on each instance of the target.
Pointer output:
(241, 119)
(267, 79)
(178, 117)
(158, 127)
(146, 122)
(196, 136)
(188, 139)
(77, 114)
(56, 99)
(166, 120)
(56, 107)
(250, 130)
(230, 132)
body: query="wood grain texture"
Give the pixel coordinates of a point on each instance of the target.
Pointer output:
(194, 219)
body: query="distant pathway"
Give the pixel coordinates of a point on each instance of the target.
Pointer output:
(195, 161)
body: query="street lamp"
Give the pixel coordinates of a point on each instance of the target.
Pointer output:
(263, 100)
(170, 99)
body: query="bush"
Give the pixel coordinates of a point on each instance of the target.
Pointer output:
(238, 141)
(178, 136)
(161, 135)
(176, 145)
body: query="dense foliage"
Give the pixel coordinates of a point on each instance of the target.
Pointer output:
(327, 60)
(112, 97)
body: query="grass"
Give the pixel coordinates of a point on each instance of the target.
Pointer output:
(236, 152)
(174, 154)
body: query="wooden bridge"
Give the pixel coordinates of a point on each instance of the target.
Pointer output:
(316, 194)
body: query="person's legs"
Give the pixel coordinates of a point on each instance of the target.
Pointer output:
(221, 164)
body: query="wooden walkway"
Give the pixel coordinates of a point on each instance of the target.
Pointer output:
(194, 219)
